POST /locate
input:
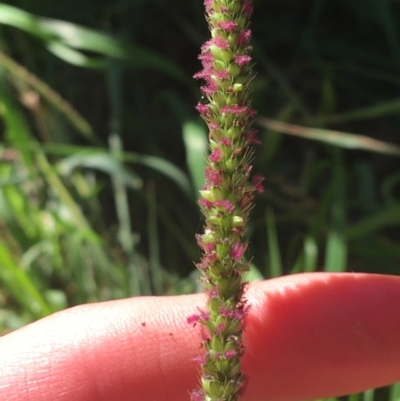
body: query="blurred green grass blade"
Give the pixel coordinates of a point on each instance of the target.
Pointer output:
(104, 162)
(310, 252)
(17, 132)
(82, 273)
(115, 85)
(368, 395)
(125, 237)
(377, 110)
(163, 166)
(20, 19)
(75, 57)
(12, 180)
(195, 140)
(275, 261)
(154, 162)
(34, 252)
(254, 274)
(354, 397)
(394, 393)
(14, 215)
(95, 275)
(133, 280)
(62, 35)
(57, 299)
(384, 218)
(79, 37)
(307, 258)
(335, 138)
(21, 286)
(336, 252)
(61, 190)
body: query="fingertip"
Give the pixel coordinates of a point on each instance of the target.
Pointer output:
(317, 335)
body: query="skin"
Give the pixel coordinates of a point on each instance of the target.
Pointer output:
(307, 336)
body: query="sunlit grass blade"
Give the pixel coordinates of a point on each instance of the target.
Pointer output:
(115, 85)
(368, 395)
(34, 252)
(125, 234)
(101, 161)
(16, 131)
(78, 37)
(55, 182)
(163, 166)
(18, 215)
(307, 261)
(82, 269)
(336, 252)
(75, 57)
(310, 252)
(21, 286)
(194, 137)
(20, 19)
(336, 138)
(136, 281)
(395, 392)
(65, 38)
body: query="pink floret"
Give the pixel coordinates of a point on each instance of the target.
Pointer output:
(228, 25)
(237, 251)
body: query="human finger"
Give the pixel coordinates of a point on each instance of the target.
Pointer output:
(307, 336)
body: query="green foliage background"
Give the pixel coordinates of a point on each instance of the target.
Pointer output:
(102, 153)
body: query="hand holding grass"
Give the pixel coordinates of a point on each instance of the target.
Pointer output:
(307, 336)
